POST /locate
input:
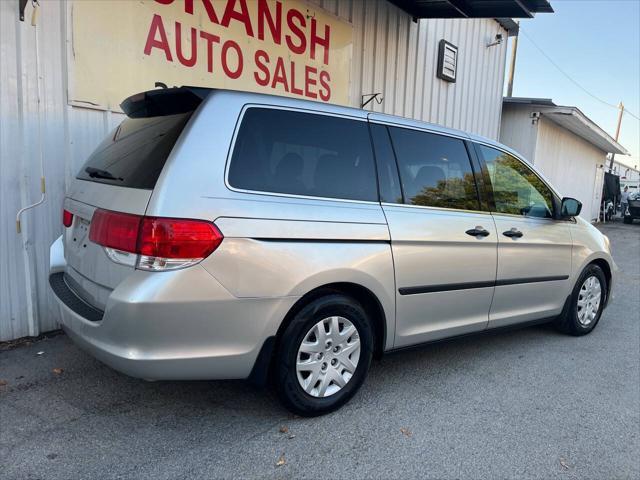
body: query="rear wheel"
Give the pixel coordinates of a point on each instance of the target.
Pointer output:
(586, 303)
(324, 355)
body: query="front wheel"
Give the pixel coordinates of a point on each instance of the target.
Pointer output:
(323, 355)
(586, 303)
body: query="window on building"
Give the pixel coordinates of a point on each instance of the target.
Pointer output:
(435, 170)
(282, 151)
(517, 190)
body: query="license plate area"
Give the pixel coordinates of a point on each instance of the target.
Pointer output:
(80, 233)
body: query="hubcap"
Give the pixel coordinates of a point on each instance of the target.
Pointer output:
(589, 300)
(328, 356)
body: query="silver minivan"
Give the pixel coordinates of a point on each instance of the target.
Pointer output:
(230, 235)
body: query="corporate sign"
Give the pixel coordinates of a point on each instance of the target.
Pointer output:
(285, 47)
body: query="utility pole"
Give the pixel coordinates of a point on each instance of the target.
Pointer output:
(613, 155)
(512, 66)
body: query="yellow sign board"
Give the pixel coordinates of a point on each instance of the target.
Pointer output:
(285, 47)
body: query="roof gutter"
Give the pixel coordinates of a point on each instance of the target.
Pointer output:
(510, 25)
(582, 119)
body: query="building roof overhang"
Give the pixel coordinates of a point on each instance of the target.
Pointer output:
(503, 11)
(474, 8)
(573, 120)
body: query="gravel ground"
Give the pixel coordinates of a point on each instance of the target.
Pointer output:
(528, 404)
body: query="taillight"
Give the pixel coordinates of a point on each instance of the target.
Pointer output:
(67, 218)
(115, 230)
(166, 243)
(161, 243)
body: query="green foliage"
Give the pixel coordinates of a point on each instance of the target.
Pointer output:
(517, 189)
(454, 192)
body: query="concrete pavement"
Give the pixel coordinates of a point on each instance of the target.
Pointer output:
(530, 403)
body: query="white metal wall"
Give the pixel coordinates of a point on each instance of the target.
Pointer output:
(519, 131)
(67, 136)
(572, 164)
(397, 57)
(392, 55)
(630, 175)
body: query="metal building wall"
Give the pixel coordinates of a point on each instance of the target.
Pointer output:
(573, 165)
(519, 131)
(570, 163)
(392, 55)
(397, 57)
(67, 135)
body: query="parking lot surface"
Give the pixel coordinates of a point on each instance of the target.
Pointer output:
(530, 403)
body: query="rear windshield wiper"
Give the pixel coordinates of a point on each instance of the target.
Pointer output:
(98, 173)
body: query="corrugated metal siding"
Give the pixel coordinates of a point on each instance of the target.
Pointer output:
(568, 161)
(392, 55)
(397, 57)
(68, 135)
(572, 164)
(519, 131)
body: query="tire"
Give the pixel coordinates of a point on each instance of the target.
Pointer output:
(579, 318)
(294, 387)
(628, 219)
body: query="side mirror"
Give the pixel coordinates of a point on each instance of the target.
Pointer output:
(570, 207)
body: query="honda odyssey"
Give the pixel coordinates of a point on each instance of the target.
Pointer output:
(230, 235)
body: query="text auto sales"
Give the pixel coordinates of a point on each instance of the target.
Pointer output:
(300, 34)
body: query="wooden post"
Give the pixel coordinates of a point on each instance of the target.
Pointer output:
(613, 155)
(512, 66)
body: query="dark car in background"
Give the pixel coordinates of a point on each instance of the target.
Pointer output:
(633, 208)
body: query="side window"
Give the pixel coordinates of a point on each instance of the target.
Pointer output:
(435, 170)
(283, 151)
(517, 190)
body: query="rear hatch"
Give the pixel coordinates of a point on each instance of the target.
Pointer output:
(120, 176)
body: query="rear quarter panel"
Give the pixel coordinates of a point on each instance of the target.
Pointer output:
(274, 245)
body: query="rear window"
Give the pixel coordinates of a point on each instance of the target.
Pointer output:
(135, 153)
(279, 151)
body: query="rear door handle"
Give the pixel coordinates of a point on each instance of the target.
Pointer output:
(478, 232)
(513, 233)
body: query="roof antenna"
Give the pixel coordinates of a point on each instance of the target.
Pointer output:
(161, 85)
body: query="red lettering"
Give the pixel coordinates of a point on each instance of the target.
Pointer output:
(190, 62)
(157, 27)
(275, 26)
(208, 6)
(309, 81)
(297, 91)
(262, 59)
(241, 16)
(210, 39)
(297, 31)
(279, 75)
(316, 40)
(165, 2)
(225, 64)
(325, 78)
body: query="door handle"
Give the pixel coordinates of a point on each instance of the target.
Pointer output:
(513, 233)
(477, 232)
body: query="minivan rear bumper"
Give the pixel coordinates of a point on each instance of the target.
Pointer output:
(179, 325)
